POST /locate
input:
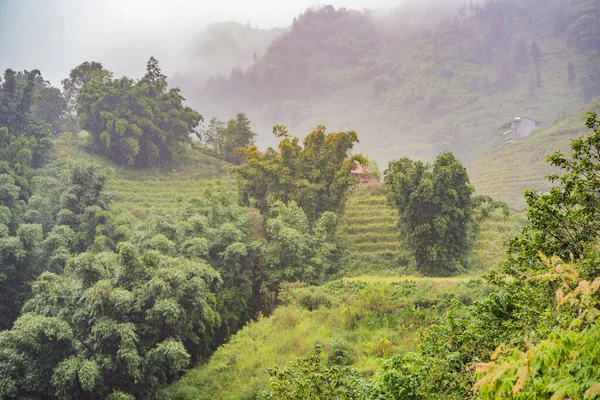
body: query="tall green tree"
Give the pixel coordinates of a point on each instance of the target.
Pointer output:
(89, 71)
(137, 123)
(27, 140)
(49, 104)
(154, 73)
(214, 135)
(436, 211)
(316, 175)
(237, 134)
(227, 138)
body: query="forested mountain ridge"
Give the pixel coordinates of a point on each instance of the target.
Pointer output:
(419, 93)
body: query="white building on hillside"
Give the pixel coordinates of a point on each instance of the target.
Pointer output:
(519, 128)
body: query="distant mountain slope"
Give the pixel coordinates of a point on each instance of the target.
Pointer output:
(416, 94)
(511, 168)
(218, 49)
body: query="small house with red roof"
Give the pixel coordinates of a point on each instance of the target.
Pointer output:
(363, 175)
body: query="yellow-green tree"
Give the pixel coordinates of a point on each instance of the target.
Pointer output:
(315, 174)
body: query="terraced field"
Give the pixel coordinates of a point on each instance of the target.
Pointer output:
(143, 195)
(369, 230)
(142, 191)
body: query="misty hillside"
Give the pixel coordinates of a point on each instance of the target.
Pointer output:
(416, 94)
(219, 48)
(512, 168)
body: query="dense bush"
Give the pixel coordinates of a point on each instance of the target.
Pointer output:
(111, 323)
(311, 378)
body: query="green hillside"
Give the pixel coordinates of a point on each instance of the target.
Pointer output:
(142, 191)
(356, 322)
(511, 168)
(416, 94)
(369, 231)
(368, 227)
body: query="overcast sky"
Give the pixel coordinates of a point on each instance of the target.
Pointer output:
(56, 35)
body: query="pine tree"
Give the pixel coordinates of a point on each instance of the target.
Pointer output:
(154, 73)
(538, 78)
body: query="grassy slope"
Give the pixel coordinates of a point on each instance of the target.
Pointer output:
(511, 168)
(238, 370)
(142, 191)
(369, 230)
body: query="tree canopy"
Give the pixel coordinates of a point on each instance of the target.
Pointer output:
(112, 324)
(87, 72)
(25, 140)
(315, 175)
(436, 209)
(136, 123)
(227, 138)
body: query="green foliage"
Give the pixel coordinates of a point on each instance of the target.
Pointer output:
(226, 139)
(126, 322)
(73, 197)
(136, 123)
(48, 103)
(87, 72)
(436, 208)
(311, 378)
(297, 252)
(563, 365)
(522, 316)
(215, 230)
(67, 213)
(563, 221)
(238, 368)
(25, 141)
(316, 175)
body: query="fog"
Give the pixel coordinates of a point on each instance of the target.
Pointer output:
(56, 35)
